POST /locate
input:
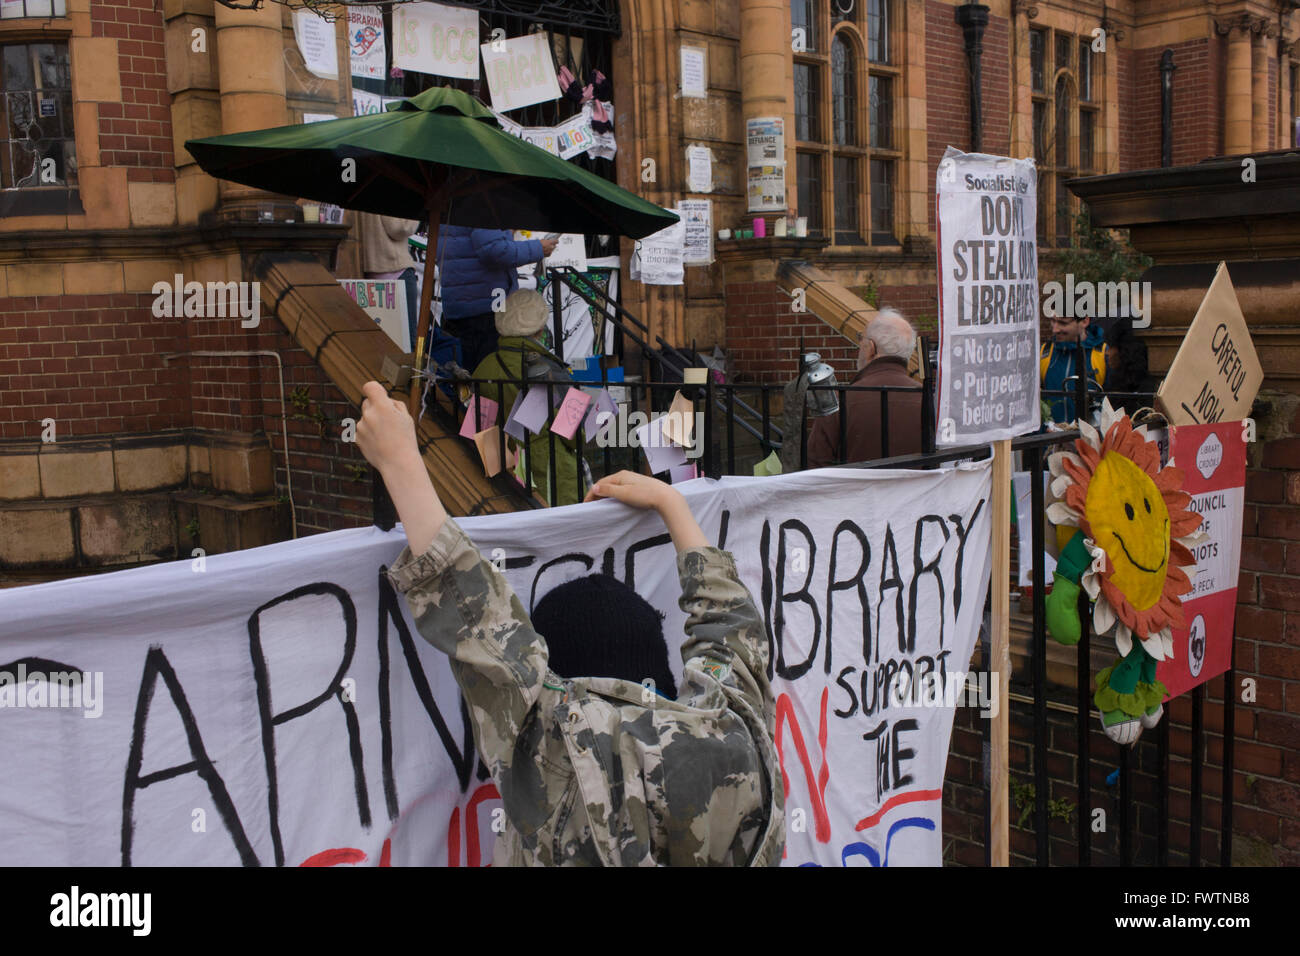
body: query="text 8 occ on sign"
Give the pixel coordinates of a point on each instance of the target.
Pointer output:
(988, 298)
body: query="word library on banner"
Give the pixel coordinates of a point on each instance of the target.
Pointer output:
(277, 706)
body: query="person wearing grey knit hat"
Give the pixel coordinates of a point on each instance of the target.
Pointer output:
(524, 315)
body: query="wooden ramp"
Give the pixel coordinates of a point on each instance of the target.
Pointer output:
(835, 305)
(350, 348)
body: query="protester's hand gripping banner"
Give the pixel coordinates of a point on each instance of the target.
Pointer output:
(276, 706)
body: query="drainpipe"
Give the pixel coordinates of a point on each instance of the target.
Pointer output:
(973, 18)
(1167, 108)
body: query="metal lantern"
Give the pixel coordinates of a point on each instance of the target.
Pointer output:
(820, 374)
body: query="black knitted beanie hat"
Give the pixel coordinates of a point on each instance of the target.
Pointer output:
(597, 626)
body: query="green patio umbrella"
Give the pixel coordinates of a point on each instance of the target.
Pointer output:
(439, 155)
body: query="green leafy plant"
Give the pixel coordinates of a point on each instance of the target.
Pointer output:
(358, 471)
(1023, 795)
(1101, 255)
(192, 529)
(300, 399)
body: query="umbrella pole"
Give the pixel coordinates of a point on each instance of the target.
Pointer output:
(426, 313)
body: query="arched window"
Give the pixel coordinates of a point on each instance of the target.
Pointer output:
(844, 119)
(1065, 120)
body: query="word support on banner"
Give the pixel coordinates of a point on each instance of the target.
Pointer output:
(1213, 461)
(366, 42)
(697, 214)
(988, 298)
(278, 705)
(436, 39)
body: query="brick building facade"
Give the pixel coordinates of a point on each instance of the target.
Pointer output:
(156, 443)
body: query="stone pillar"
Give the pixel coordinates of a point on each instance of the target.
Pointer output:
(1259, 127)
(1285, 125)
(765, 60)
(1237, 107)
(251, 79)
(1022, 105)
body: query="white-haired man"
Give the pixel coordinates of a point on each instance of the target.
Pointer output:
(884, 347)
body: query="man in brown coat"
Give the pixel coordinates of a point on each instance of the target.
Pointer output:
(883, 350)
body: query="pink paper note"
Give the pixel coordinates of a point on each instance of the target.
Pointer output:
(486, 417)
(532, 411)
(683, 473)
(571, 413)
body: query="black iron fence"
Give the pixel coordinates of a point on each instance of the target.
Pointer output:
(737, 428)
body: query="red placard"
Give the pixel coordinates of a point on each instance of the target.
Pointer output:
(1213, 461)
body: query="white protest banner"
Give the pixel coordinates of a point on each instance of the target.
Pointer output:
(278, 706)
(988, 298)
(432, 38)
(520, 72)
(509, 126)
(384, 300)
(315, 38)
(363, 103)
(574, 136)
(1025, 530)
(657, 259)
(587, 331)
(366, 41)
(1213, 462)
(697, 214)
(543, 137)
(318, 117)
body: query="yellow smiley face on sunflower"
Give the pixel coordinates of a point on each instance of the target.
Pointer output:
(1136, 524)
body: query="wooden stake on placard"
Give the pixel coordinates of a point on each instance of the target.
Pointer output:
(999, 662)
(426, 313)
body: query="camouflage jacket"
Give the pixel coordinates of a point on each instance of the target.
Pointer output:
(601, 771)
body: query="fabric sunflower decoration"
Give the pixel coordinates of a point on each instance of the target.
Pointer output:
(1124, 531)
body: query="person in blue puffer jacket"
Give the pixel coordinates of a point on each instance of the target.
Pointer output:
(474, 264)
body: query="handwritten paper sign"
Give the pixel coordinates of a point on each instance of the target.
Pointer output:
(360, 732)
(683, 473)
(532, 411)
(1216, 374)
(366, 42)
(695, 81)
(574, 136)
(513, 428)
(602, 404)
(363, 103)
(432, 38)
(699, 169)
(660, 451)
(679, 423)
(697, 217)
(384, 300)
(657, 259)
(315, 38)
(572, 411)
(488, 443)
(474, 422)
(520, 72)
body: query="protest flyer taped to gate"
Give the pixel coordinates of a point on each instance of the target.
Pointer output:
(988, 298)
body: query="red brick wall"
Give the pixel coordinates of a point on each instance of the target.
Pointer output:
(947, 87)
(94, 364)
(1196, 119)
(763, 335)
(136, 133)
(90, 362)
